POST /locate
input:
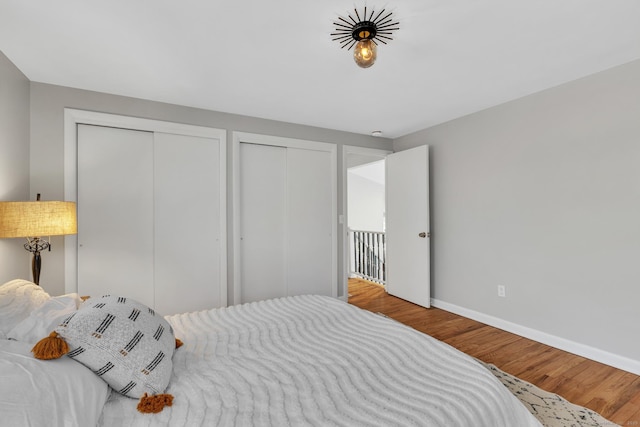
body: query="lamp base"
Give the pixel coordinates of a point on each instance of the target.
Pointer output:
(35, 245)
(36, 263)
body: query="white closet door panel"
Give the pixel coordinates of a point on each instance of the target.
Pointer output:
(262, 221)
(115, 202)
(187, 223)
(309, 214)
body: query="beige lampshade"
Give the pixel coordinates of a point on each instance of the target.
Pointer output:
(38, 218)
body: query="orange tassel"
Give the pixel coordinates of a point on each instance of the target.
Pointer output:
(178, 343)
(52, 347)
(154, 404)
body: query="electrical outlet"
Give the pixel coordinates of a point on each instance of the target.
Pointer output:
(502, 291)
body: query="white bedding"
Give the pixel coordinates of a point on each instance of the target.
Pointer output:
(314, 360)
(39, 393)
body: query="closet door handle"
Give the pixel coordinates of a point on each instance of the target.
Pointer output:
(423, 235)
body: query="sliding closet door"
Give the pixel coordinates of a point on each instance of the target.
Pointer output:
(115, 202)
(187, 223)
(286, 209)
(151, 217)
(263, 202)
(309, 214)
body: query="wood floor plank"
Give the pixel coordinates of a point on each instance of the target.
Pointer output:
(627, 415)
(612, 392)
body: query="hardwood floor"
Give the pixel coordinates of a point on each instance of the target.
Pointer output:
(615, 394)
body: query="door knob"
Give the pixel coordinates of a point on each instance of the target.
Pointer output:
(423, 235)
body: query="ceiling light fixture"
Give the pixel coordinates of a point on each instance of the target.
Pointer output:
(364, 33)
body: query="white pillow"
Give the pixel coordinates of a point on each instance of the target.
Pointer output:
(18, 298)
(44, 319)
(47, 393)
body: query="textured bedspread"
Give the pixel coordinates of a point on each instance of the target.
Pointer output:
(314, 360)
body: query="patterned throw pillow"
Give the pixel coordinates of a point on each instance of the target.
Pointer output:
(124, 342)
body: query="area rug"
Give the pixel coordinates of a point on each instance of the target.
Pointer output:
(550, 409)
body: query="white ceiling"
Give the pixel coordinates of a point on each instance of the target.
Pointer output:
(275, 59)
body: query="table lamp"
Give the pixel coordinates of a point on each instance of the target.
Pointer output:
(35, 219)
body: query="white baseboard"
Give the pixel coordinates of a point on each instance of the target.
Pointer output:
(617, 361)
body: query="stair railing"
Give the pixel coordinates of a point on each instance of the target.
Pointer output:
(368, 255)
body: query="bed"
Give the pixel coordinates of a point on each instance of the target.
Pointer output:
(304, 360)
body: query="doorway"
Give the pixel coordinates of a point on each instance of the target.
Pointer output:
(364, 214)
(406, 220)
(366, 221)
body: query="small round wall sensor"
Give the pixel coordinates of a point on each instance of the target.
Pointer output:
(376, 133)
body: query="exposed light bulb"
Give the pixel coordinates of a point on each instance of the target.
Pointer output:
(361, 29)
(365, 53)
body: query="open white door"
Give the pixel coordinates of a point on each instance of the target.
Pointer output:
(407, 225)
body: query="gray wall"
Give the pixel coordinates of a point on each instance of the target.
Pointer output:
(542, 195)
(14, 162)
(47, 156)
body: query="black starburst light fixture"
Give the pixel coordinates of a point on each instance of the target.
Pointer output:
(364, 33)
